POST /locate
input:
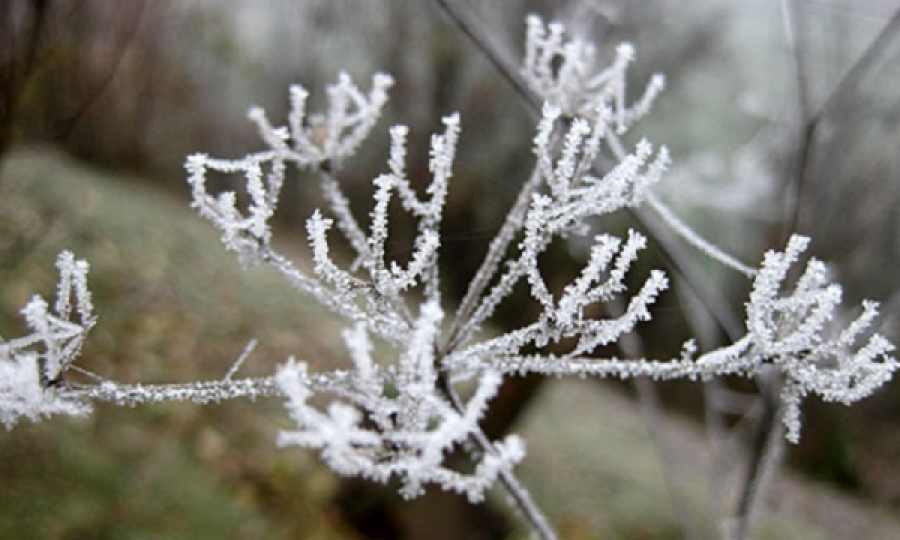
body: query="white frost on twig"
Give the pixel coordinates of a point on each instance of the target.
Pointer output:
(393, 421)
(32, 368)
(564, 72)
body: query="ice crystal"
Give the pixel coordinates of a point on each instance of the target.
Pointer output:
(32, 368)
(565, 72)
(394, 421)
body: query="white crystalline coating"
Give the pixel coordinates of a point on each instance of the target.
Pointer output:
(793, 332)
(368, 430)
(377, 434)
(564, 72)
(398, 416)
(23, 395)
(31, 366)
(307, 143)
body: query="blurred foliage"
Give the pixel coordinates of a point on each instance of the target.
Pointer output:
(108, 81)
(608, 480)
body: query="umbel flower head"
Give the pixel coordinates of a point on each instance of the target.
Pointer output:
(797, 333)
(565, 72)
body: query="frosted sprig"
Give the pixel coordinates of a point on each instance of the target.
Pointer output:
(372, 288)
(245, 232)
(576, 194)
(351, 114)
(564, 72)
(570, 316)
(308, 142)
(32, 368)
(573, 197)
(428, 210)
(393, 422)
(334, 136)
(796, 333)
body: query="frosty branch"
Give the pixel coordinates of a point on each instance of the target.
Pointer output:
(402, 416)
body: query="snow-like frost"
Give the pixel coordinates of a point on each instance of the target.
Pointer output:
(32, 368)
(400, 415)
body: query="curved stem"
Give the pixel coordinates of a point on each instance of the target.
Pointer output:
(691, 237)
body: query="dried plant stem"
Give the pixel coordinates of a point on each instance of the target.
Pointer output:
(462, 327)
(519, 497)
(764, 456)
(201, 392)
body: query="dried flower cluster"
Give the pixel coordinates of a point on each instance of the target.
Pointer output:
(402, 416)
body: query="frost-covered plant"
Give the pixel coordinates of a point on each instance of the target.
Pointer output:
(565, 72)
(32, 367)
(400, 415)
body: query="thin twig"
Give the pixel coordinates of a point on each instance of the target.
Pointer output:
(714, 418)
(200, 392)
(859, 69)
(515, 219)
(15, 83)
(648, 398)
(502, 65)
(811, 121)
(520, 497)
(86, 104)
(682, 229)
(688, 270)
(795, 32)
(248, 350)
(764, 453)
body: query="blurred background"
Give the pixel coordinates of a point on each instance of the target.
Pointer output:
(781, 116)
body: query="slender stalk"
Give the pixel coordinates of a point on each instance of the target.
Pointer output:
(15, 74)
(688, 270)
(492, 54)
(764, 453)
(519, 498)
(648, 399)
(632, 346)
(514, 221)
(201, 392)
(73, 118)
(795, 31)
(811, 121)
(862, 66)
(717, 307)
(709, 249)
(713, 413)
